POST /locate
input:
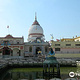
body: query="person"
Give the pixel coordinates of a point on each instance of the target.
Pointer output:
(39, 52)
(51, 52)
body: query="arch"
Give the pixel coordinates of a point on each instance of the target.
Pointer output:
(6, 51)
(16, 52)
(37, 49)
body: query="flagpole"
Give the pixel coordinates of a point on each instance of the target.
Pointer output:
(8, 29)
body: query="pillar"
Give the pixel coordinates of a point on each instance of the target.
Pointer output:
(19, 53)
(53, 70)
(34, 50)
(49, 70)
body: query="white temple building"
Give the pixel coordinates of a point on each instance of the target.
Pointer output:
(35, 31)
(36, 41)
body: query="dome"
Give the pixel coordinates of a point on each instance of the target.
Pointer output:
(35, 29)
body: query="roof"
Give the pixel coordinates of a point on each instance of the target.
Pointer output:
(36, 23)
(9, 36)
(70, 39)
(51, 60)
(67, 39)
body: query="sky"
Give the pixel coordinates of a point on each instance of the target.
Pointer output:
(61, 18)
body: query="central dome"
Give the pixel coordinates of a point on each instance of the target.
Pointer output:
(35, 31)
(35, 28)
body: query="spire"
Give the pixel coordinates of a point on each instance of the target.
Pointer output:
(35, 22)
(35, 17)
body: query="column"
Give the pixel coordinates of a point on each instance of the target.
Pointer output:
(19, 53)
(53, 70)
(49, 70)
(34, 50)
(43, 50)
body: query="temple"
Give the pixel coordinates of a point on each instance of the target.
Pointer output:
(16, 47)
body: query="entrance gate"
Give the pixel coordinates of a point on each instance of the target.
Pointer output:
(6, 51)
(38, 49)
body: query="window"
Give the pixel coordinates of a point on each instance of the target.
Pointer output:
(30, 49)
(11, 41)
(5, 42)
(17, 42)
(77, 44)
(57, 49)
(46, 49)
(57, 44)
(68, 44)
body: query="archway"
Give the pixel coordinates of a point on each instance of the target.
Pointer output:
(38, 49)
(6, 51)
(16, 52)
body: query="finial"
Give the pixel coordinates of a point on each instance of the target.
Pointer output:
(35, 16)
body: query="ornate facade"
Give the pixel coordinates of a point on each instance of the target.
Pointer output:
(16, 47)
(11, 46)
(36, 41)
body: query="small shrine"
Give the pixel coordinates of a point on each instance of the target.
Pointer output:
(51, 67)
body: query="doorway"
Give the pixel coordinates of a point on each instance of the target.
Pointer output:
(38, 49)
(6, 51)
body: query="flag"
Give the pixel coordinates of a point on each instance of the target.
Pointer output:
(7, 26)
